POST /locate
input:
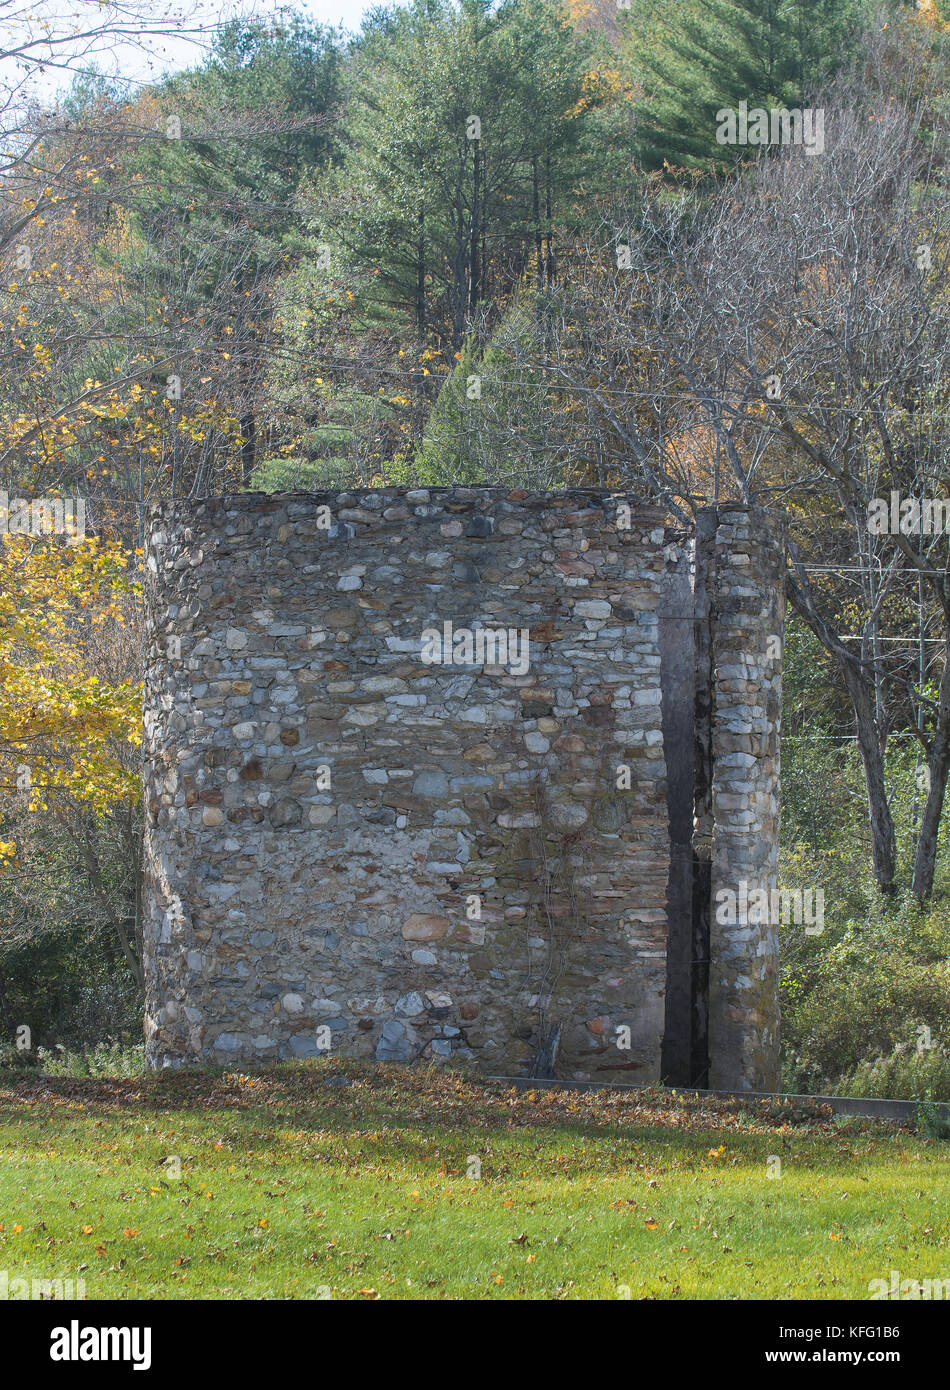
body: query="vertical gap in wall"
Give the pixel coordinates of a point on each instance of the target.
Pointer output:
(677, 675)
(707, 522)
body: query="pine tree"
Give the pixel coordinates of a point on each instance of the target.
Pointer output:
(704, 56)
(467, 134)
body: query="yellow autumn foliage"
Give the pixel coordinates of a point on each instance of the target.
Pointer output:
(62, 728)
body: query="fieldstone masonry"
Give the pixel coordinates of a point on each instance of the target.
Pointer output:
(457, 773)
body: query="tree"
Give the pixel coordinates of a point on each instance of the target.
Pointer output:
(70, 711)
(702, 56)
(500, 417)
(465, 134)
(248, 127)
(37, 38)
(798, 326)
(141, 307)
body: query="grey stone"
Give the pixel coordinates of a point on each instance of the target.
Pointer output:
(496, 783)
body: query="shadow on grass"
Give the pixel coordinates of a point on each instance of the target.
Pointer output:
(367, 1111)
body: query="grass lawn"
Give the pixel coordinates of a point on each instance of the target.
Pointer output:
(291, 1187)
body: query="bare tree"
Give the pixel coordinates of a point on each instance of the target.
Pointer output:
(787, 338)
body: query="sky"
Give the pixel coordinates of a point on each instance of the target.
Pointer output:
(141, 57)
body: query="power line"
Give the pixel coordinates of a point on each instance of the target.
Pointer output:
(841, 738)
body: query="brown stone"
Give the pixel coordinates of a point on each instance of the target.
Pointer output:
(469, 933)
(337, 619)
(480, 753)
(422, 926)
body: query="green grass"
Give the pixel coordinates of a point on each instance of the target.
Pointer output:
(292, 1188)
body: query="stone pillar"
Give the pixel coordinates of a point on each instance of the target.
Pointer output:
(741, 594)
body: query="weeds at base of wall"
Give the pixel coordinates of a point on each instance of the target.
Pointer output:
(930, 1121)
(104, 1059)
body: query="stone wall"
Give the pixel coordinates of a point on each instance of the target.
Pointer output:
(354, 844)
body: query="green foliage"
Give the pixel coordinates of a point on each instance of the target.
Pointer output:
(63, 971)
(70, 988)
(450, 448)
(88, 91)
(699, 56)
(290, 71)
(902, 1076)
(495, 418)
(930, 1119)
(302, 475)
(857, 999)
(102, 1059)
(862, 990)
(215, 222)
(445, 213)
(289, 77)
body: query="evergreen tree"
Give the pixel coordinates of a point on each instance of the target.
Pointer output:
(497, 418)
(220, 220)
(703, 56)
(466, 132)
